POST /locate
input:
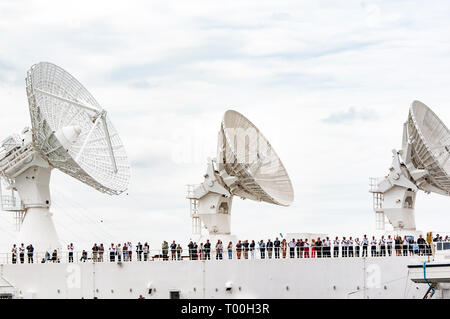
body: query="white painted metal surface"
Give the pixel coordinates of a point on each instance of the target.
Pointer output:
(61, 107)
(422, 164)
(70, 132)
(274, 278)
(246, 166)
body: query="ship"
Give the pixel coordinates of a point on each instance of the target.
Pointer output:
(72, 132)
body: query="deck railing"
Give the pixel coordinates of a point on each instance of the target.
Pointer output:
(225, 254)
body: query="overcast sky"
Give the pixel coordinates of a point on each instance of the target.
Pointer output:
(329, 83)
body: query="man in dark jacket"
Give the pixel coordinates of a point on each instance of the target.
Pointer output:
(277, 245)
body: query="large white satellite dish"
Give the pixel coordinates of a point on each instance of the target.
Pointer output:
(70, 132)
(246, 166)
(422, 164)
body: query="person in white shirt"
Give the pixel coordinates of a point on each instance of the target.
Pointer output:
(382, 247)
(327, 248)
(112, 253)
(306, 248)
(405, 246)
(130, 251)
(292, 245)
(389, 245)
(350, 247)
(365, 243)
(344, 245)
(373, 247)
(336, 247)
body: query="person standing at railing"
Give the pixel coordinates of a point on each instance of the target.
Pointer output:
(201, 252)
(405, 246)
(146, 251)
(101, 251)
(382, 247)
(421, 242)
(230, 250)
(94, 253)
(389, 245)
(207, 248)
(165, 250)
(54, 256)
(70, 250)
(22, 253)
(173, 249)
(276, 246)
(429, 243)
(262, 249)
(112, 253)
(191, 250)
(410, 245)
(415, 248)
(14, 254)
(219, 249)
(313, 248)
(284, 247)
(327, 247)
(344, 245)
(357, 246)
(195, 253)
(306, 246)
(350, 247)
(125, 252)
(365, 243)
(179, 251)
(238, 249)
(245, 248)
(292, 245)
(139, 251)
(299, 248)
(252, 249)
(336, 247)
(269, 247)
(130, 251)
(398, 246)
(319, 247)
(30, 252)
(119, 253)
(373, 247)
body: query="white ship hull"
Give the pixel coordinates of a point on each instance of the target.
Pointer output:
(378, 277)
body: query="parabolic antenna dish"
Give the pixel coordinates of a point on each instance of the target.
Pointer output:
(247, 155)
(72, 131)
(430, 145)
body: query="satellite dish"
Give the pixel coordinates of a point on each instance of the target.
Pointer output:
(73, 132)
(422, 164)
(70, 132)
(246, 166)
(247, 155)
(430, 146)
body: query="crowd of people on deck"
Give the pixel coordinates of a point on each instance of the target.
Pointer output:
(245, 249)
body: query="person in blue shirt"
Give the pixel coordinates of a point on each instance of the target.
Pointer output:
(262, 249)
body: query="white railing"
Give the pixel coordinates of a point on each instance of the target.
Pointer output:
(225, 254)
